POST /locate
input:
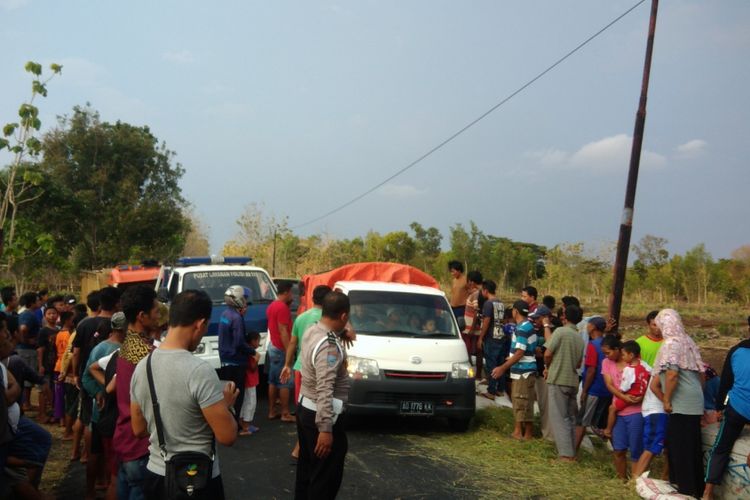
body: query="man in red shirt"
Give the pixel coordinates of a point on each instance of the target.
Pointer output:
(279, 331)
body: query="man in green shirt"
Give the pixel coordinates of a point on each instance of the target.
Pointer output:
(651, 342)
(562, 359)
(301, 324)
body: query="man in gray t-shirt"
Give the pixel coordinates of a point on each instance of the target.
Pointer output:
(193, 406)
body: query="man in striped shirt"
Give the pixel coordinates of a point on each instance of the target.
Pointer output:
(523, 372)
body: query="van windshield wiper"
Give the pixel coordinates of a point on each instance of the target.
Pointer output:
(433, 335)
(386, 332)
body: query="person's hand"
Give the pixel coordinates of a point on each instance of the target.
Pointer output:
(100, 400)
(61, 377)
(719, 415)
(230, 394)
(582, 400)
(667, 406)
(631, 399)
(324, 444)
(611, 324)
(544, 374)
(257, 357)
(497, 372)
(285, 374)
(77, 382)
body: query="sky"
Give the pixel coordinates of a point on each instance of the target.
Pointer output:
(300, 106)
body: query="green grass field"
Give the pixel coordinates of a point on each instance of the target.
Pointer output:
(500, 467)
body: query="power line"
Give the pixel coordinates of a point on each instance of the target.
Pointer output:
(473, 122)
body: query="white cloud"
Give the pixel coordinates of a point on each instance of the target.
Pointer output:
(179, 56)
(401, 191)
(13, 4)
(691, 149)
(604, 155)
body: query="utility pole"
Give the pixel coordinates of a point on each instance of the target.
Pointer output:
(273, 265)
(626, 225)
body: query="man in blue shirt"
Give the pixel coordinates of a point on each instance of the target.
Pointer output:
(735, 384)
(28, 339)
(234, 351)
(522, 366)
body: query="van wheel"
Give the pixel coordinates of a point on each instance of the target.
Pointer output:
(459, 424)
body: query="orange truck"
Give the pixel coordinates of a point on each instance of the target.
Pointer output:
(121, 276)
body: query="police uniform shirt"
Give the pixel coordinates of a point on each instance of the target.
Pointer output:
(324, 377)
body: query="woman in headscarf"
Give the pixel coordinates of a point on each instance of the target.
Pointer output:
(678, 378)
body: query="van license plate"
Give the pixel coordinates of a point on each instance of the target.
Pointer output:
(416, 408)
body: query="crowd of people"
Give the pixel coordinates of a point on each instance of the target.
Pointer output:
(646, 396)
(144, 415)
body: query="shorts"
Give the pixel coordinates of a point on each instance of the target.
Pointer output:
(628, 435)
(85, 407)
(594, 413)
(654, 432)
(71, 400)
(31, 442)
(249, 404)
(523, 396)
(276, 360)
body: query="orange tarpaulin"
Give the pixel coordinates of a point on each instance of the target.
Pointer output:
(388, 272)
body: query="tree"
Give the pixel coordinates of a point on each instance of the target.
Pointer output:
(125, 185)
(19, 138)
(196, 241)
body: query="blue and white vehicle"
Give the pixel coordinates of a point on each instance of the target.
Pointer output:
(214, 275)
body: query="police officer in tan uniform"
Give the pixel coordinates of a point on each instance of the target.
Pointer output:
(325, 390)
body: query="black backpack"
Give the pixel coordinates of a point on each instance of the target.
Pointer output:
(5, 433)
(108, 414)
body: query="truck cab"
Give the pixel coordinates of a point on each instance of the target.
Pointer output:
(214, 275)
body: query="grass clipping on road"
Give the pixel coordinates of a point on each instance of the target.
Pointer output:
(500, 467)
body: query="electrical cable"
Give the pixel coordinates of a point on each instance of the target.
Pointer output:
(473, 122)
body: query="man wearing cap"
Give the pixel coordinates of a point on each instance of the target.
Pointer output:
(562, 359)
(595, 397)
(541, 318)
(522, 366)
(325, 391)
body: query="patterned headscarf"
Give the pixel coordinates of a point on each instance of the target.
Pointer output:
(678, 348)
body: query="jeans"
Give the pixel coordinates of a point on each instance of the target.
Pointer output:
(495, 351)
(130, 479)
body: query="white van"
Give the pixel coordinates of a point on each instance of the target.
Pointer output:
(408, 358)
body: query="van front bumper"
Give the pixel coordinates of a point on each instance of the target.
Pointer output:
(454, 399)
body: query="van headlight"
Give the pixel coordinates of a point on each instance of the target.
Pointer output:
(200, 349)
(362, 368)
(462, 370)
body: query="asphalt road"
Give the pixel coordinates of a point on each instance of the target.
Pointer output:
(384, 461)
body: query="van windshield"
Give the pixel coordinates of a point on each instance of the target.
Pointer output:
(400, 314)
(215, 283)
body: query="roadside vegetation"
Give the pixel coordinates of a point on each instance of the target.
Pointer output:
(498, 466)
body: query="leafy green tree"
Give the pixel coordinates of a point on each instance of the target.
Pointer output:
(124, 184)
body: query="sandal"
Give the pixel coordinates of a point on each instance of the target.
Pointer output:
(487, 395)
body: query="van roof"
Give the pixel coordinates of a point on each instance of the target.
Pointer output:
(382, 286)
(201, 268)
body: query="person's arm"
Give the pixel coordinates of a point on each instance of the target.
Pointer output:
(76, 365)
(611, 387)
(483, 331)
(291, 350)
(515, 358)
(138, 421)
(655, 387)
(285, 327)
(325, 381)
(727, 380)
(40, 360)
(220, 419)
(97, 373)
(671, 380)
(112, 386)
(13, 392)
